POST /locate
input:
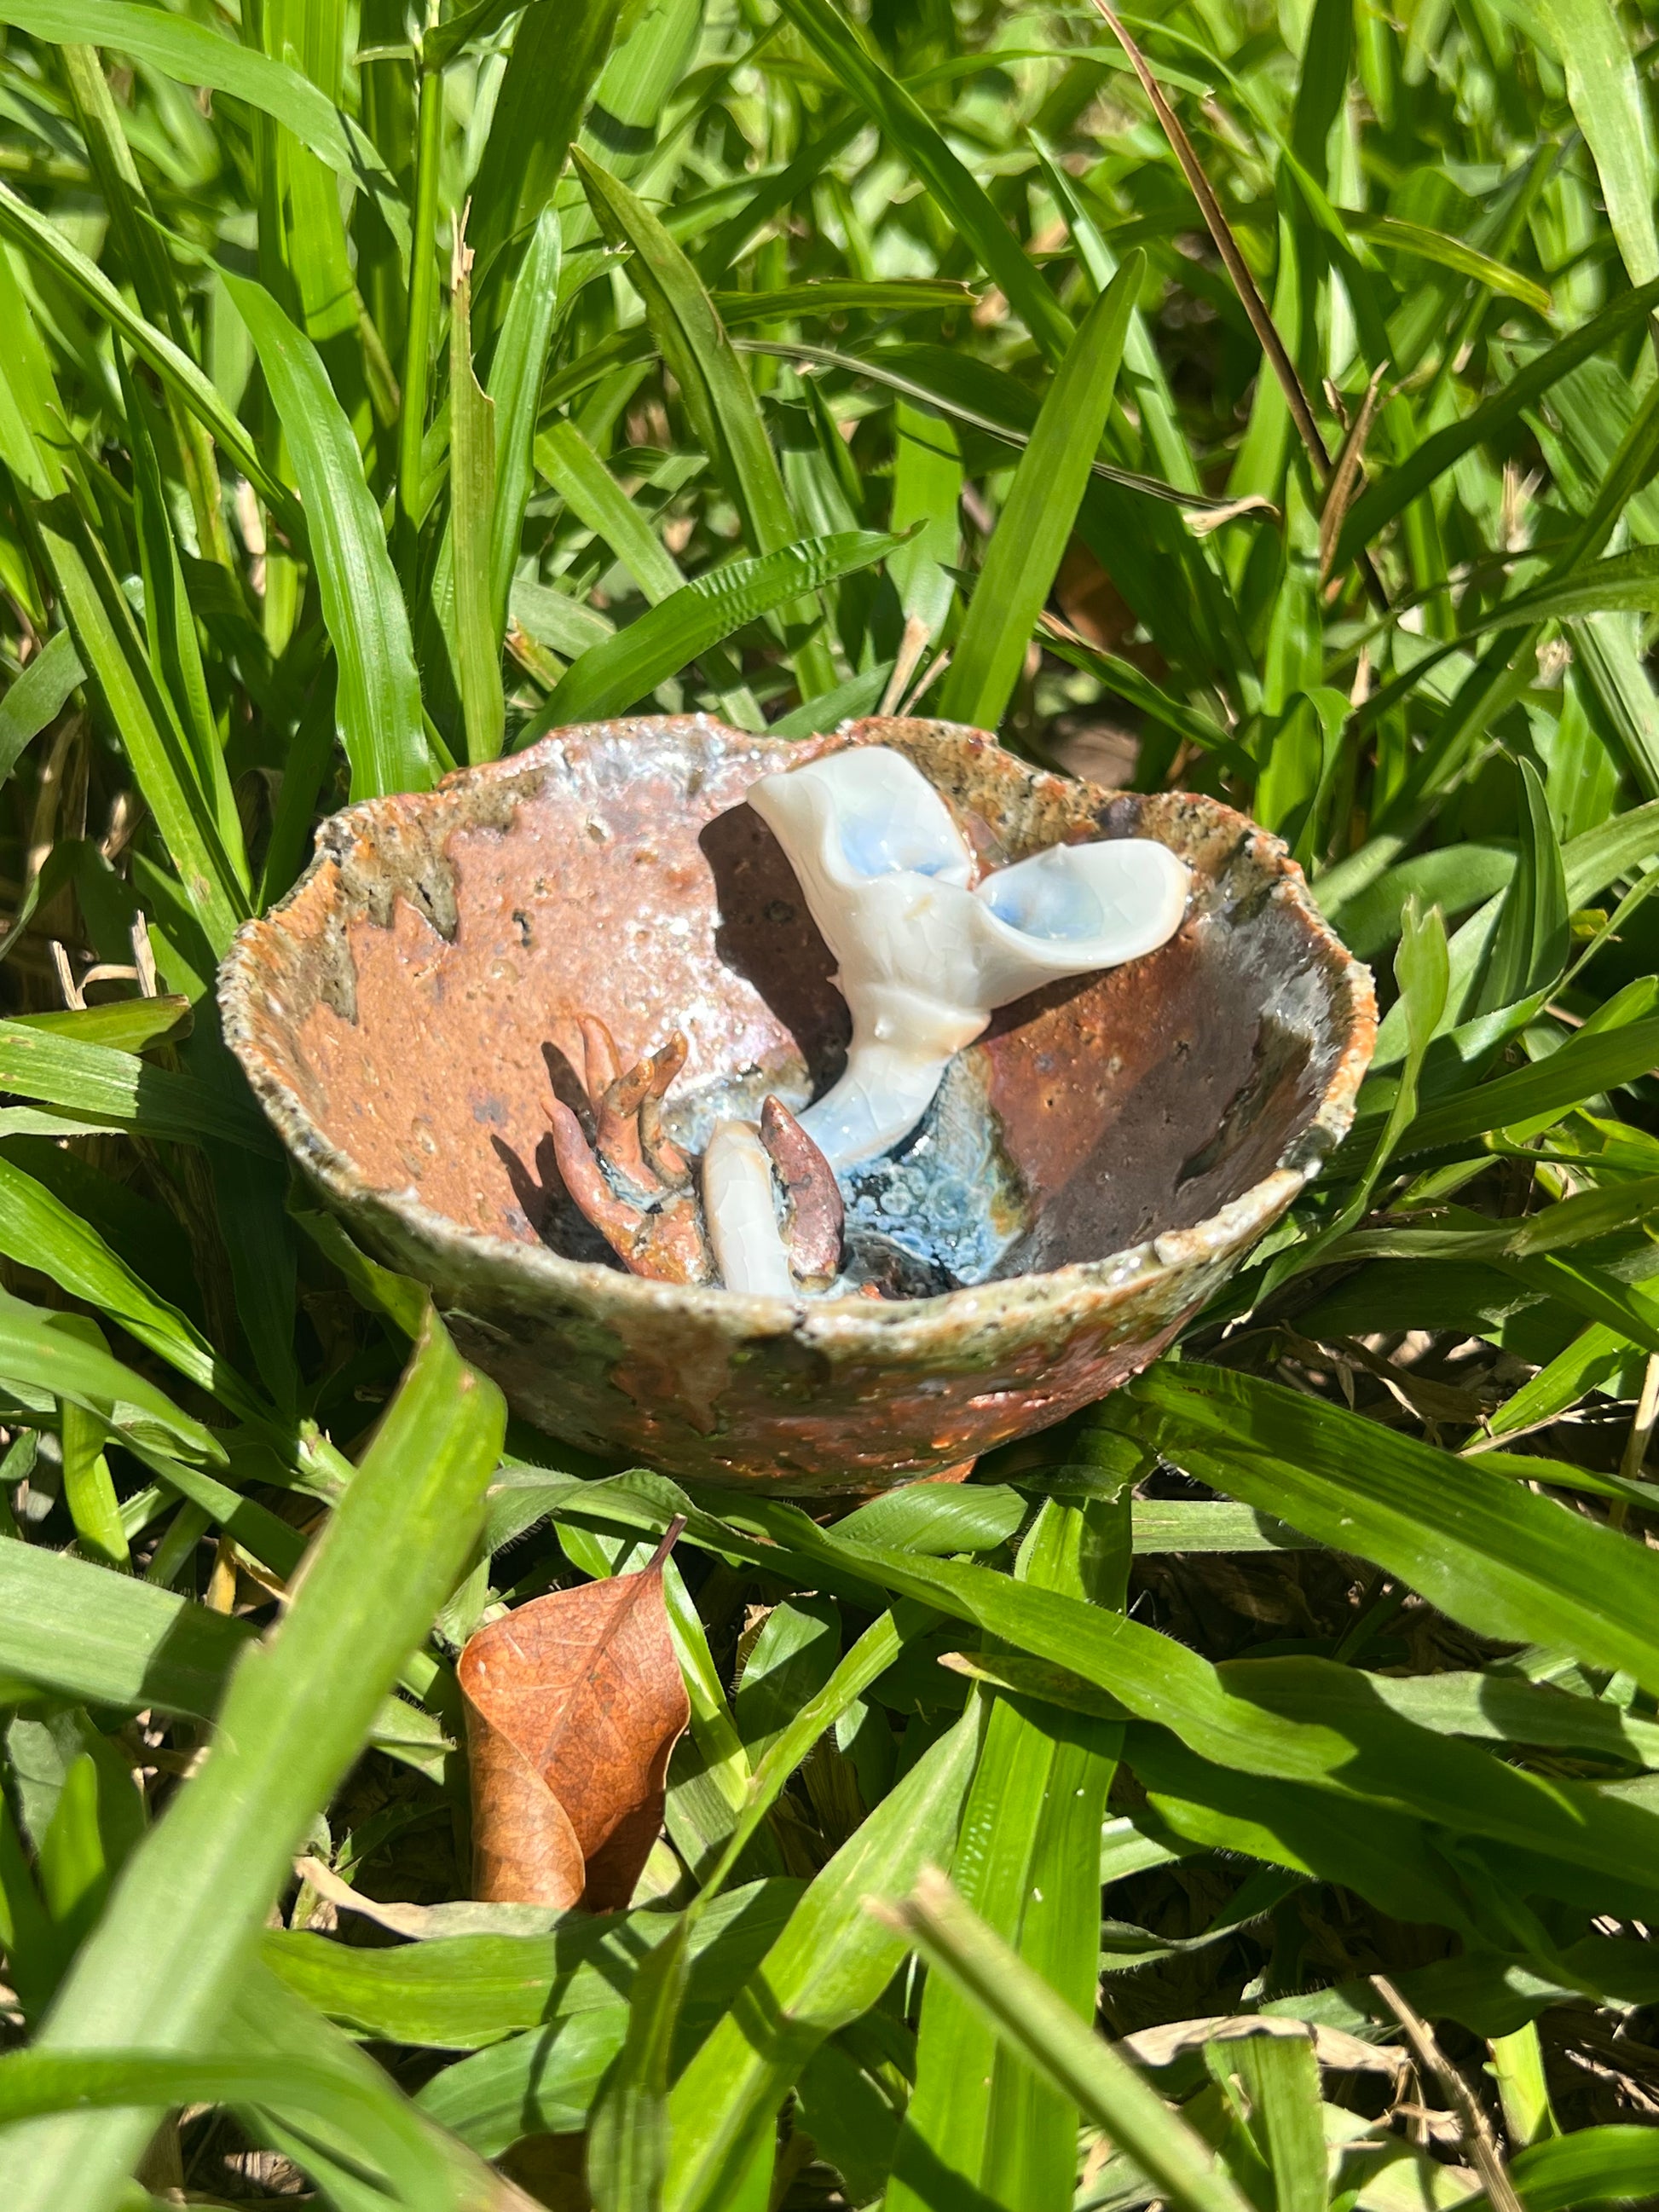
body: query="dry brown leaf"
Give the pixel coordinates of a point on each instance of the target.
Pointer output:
(574, 1704)
(1348, 474)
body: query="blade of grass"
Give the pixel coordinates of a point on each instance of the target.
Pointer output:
(823, 1973)
(197, 56)
(160, 1971)
(1028, 1860)
(629, 666)
(42, 241)
(1039, 2024)
(1484, 1551)
(1034, 526)
(378, 692)
(35, 699)
(961, 198)
(107, 640)
(472, 490)
(570, 463)
(724, 412)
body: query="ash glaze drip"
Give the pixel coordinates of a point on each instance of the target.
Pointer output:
(926, 956)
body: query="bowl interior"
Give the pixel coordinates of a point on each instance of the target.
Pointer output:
(418, 997)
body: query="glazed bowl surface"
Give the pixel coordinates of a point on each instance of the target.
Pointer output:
(1094, 1169)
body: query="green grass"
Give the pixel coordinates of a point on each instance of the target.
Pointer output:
(1328, 1651)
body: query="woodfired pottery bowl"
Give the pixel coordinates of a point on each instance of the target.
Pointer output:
(1116, 1142)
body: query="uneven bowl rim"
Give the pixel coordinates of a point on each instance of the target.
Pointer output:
(851, 1324)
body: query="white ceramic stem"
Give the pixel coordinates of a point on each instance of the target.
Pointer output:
(924, 960)
(901, 1046)
(742, 1213)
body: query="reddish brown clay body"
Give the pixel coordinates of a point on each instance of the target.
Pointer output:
(406, 1015)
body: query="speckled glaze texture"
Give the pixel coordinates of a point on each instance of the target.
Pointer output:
(406, 1012)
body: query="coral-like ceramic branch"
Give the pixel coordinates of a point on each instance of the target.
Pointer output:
(771, 1239)
(925, 954)
(637, 1192)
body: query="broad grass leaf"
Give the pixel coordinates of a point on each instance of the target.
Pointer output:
(378, 692)
(570, 463)
(1422, 971)
(1618, 685)
(518, 368)
(1589, 863)
(574, 1704)
(73, 1629)
(830, 1965)
(194, 55)
(725, 245)
(558, 54)
(37, 1354)
(581, 479)
(89, 1486)
(466, 1992)
(1028, 1860)
(958, 195)
(1036, 520)
(1506, 1562)
(1587, 39)
(1389, 1857)
(160, 1967)
(627, 2158)
(1623, 581)
(473, 488)
(858, 695)
(1454, 877)
(926, 490)
(40, 2082)
(1277, 2103)
(722, 407)
(78, 1632)
(44, 242)
(628, 666)
(1382, 500)
(1588, 1363)
(107, 640)
(1028, 2015)
(170, 630)
(34, 699)
(1421, 243)
(724, 412)
(1582, 1069)
(1529, 946)
(1595, 2164)
(938, 1518)
(789, 1662)
(111, 1084)
(1143, 373)
(268, 2022)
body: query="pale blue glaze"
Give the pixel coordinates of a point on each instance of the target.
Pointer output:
(878, 842)
(1046, 897)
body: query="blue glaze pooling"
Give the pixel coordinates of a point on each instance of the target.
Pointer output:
(947, 1197)
(880, 843)
(1046, 897)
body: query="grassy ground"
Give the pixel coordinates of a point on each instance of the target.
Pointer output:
(1316, 1671)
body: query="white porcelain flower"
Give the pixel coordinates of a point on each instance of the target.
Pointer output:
(924, 959)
